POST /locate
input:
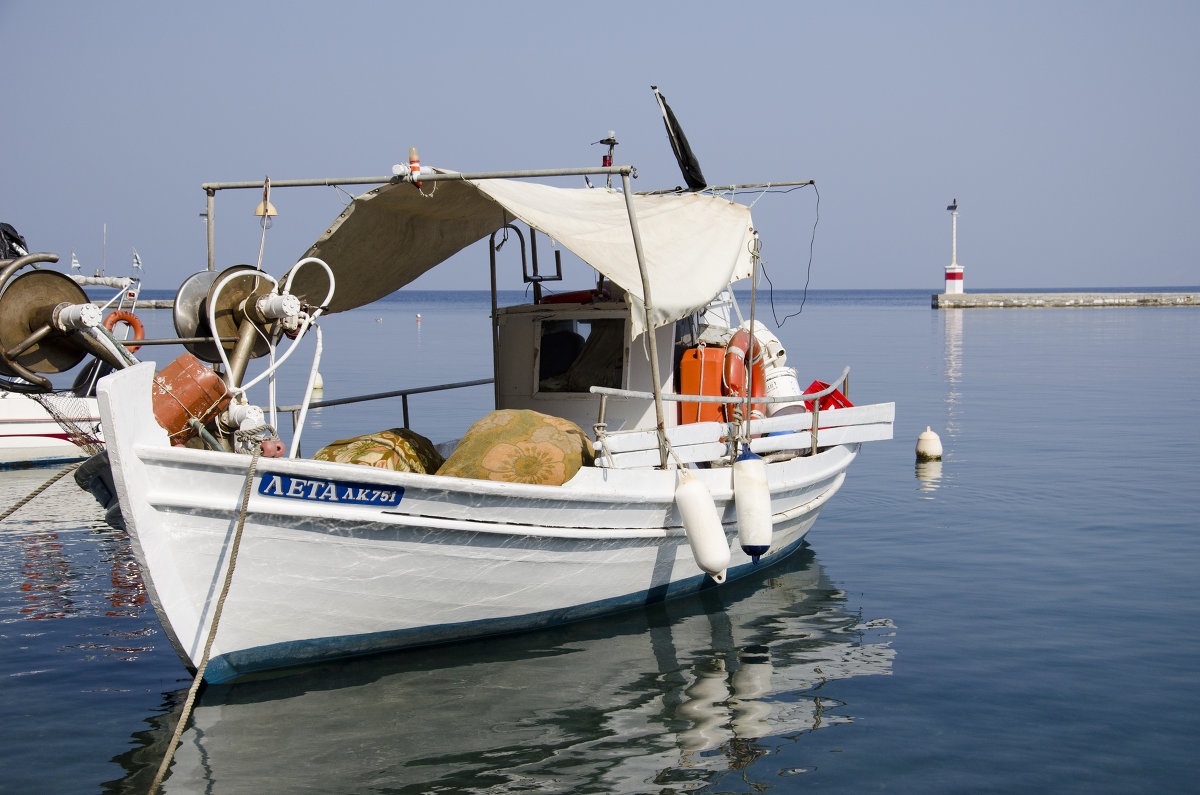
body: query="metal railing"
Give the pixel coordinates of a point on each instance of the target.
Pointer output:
(403, 394)
(607, 391)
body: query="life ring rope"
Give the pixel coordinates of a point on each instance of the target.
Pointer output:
(130, 319)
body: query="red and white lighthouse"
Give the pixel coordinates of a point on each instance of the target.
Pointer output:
(954, 271)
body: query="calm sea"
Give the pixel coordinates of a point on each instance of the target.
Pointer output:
(1022, 617)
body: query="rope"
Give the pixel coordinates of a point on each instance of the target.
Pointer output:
(808, 278)
(248, 437)
(39, 490)
(212, 632)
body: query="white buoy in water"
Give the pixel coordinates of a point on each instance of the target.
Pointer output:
(318, 381)
(929, 446)
(752, 497)
(705, 534)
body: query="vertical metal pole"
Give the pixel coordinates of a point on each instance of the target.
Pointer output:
(751, 351)
(646, 303)
(816, 413)
(240, 357)
(208, 217)
(495, 327)
(537, 284)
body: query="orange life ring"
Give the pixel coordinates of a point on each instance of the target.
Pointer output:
(124, 316)
(740, 347)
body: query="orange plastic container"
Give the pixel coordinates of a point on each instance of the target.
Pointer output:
(700, 372)
(184, 389)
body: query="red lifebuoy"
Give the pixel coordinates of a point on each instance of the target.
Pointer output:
(124, 316)
(740, 347)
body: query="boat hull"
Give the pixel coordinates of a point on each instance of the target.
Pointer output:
(671, 682)
(338, 560)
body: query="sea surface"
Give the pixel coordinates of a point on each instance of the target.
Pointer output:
(1022, 617)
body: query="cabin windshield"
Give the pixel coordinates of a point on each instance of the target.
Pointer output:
(577, 354)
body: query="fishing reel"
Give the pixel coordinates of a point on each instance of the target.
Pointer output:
(233, 316)
(48, 325)
(229, 318)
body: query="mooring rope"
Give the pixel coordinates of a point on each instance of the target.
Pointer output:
(190, 702)
(33, 494)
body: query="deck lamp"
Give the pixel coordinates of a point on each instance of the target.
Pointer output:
(266, 213)
(265, 210)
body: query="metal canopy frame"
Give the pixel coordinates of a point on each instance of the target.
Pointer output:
(211, 188)
(403, 174)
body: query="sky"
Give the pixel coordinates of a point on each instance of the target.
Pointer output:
(1066, 130)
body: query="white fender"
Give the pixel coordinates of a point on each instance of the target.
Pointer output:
(710, 548)
(752, 497)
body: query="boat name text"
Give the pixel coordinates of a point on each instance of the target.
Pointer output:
(327, 490)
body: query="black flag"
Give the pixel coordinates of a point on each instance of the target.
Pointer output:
(679, 144)
(12, 245)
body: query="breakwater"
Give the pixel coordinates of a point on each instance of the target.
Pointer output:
(1051, 300)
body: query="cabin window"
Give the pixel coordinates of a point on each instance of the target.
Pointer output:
(578, 354)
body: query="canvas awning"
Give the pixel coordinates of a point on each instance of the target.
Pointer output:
(695, 245)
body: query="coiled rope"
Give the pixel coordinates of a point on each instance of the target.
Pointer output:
(190, 702)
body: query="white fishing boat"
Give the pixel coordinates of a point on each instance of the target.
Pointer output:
(49, 325)
(642, 475)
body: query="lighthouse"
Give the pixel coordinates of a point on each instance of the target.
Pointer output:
(954, 271)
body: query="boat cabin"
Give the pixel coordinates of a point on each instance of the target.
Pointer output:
(548, 355)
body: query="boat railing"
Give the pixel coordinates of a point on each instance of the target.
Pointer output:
(403, 394)
(606, 392)
(841, 382)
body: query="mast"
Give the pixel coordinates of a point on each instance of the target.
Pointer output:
(652, 344)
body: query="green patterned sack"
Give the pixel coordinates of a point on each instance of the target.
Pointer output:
(398, 449)
(520, 446)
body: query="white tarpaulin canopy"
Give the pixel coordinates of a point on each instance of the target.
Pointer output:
(694, 245)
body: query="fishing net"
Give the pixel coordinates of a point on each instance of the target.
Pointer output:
(68, 410)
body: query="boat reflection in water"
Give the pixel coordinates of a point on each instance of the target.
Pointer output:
(669, 695)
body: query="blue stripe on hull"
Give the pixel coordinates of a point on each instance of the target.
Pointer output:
(42, 462)
(227, 667)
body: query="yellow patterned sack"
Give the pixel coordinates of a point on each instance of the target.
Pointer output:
(398, 449)
(520, 446)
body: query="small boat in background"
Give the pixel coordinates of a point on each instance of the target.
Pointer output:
(47, 428)
(49, 325)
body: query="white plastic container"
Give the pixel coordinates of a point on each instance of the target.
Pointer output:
(781, 382)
